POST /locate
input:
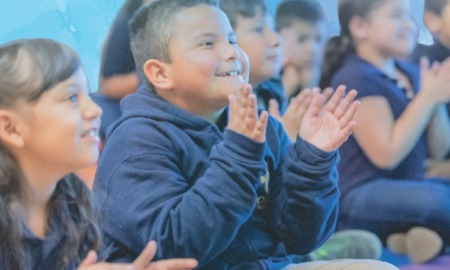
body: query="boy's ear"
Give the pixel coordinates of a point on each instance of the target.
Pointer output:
(358, 27)
(432, 21)
(10, 129)
(159, 74)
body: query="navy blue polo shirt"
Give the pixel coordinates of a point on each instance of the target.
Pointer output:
(435, 52)
(355, 168)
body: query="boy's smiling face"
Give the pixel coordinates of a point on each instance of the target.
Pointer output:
(206, 64)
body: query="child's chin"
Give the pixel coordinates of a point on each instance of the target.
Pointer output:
(233, 84)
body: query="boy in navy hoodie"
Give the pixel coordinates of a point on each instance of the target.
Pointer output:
(222, 184)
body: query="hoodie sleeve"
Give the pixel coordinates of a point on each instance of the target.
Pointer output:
(305, 196)
(148, 199)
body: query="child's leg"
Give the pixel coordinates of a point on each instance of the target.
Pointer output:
(345, 264)
(390, 206)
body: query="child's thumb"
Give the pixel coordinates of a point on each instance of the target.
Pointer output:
(89, 260)
(274, 109)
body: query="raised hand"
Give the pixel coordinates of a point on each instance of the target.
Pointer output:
(292, 117)
(243, 115)
(328, 125)
(435, 82)
(143, 262)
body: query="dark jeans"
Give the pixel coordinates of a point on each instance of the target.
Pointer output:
(386, 206)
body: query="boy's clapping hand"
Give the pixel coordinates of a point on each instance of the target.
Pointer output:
(243, 115)
(327, 124)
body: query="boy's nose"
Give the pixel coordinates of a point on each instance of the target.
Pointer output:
(231, 52)
(273, 38)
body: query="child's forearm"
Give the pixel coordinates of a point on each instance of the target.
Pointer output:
(305, 209)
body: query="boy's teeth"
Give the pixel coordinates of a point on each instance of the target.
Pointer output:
(233, 73)
(92, 133)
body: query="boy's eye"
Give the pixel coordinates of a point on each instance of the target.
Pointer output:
(302, 39)
(259, 30)
(208, 44)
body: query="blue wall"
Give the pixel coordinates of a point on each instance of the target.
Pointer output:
(82, 24)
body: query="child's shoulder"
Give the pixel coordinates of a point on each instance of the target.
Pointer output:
(354, 72)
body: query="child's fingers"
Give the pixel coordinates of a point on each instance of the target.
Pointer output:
(242, 101)
(274, 109)
(349, 114)
(304, 100)
(424, 64)
(173, 264)
(345, 104)
(315, 106)
(347, 131)
(89, 260)
(259, 132)
(143, 260)
(303, 97)
(231, 107)
(335, 99)
(327, 93)
(251, 113)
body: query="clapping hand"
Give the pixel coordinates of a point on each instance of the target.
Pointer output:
(328, 124)
(243, 115)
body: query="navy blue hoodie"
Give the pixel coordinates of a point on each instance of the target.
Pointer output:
(205, 193)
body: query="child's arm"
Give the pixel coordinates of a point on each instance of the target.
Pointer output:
(387, 141)
(438, 133)
(305, 204)
(153, 198)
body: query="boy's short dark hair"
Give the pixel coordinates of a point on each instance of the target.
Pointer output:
(290, 11)
(435, 6)
(151, 29)
(244, 8)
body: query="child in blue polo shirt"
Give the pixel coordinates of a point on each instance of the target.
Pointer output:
(401, 121)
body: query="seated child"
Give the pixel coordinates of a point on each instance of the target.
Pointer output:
(49, 128)
(303, 27)
(401, 122)
(436, 17)
(222, 184)
(255, 33)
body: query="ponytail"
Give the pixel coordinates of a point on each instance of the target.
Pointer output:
(11, 245)
(335, 53)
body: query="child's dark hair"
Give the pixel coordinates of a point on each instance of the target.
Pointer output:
(151, 29)
(340, 46)
(290, 11)
(128, 8)
(435, 6)
(248, 8)
(29, 68)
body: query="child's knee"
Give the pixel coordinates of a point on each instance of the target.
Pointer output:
(367, 265)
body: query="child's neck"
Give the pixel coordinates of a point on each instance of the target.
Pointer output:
(212, 117)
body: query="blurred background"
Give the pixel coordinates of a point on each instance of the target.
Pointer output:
(83, 24)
